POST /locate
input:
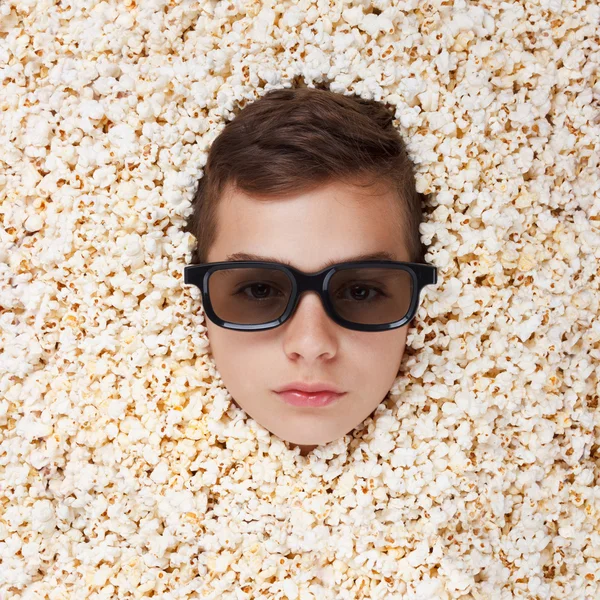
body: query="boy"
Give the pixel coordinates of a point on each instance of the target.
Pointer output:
(307, 179)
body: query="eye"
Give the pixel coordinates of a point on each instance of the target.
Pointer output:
(259, 291)
(359, 292)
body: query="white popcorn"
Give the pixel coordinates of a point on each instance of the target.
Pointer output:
(353, 16)
(34, 223)
(120, 447)
(403, 457)
(263, 24)
(160, 473)
(91, 109)
(528, 326)
(122, 137)
(43, 518)
(117, 408)
(31, 428)
(292, 17)
(374, 24)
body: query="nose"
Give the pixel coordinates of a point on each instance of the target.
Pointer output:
(310, 306)
(309, 330)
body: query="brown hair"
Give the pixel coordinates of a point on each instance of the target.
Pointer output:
(294, 140)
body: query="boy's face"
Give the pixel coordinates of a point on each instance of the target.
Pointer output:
(337, 221)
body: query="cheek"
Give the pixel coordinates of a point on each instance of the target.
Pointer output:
(380, 352)
(381, 343)
(231, 350)
(211, 332)
(220, 344)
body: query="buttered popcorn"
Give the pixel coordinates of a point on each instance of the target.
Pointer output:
(125, 469)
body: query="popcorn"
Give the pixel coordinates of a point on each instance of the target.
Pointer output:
(120, 447)
(30, 428)
(43, 518)
(374, 25)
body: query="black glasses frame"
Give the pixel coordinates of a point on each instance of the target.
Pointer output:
(422, 274)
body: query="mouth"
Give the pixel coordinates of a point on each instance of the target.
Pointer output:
(314, 399)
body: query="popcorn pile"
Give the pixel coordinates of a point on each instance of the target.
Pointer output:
(125, 469)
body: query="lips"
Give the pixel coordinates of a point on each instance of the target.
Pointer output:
(310, 388)
(298, 398)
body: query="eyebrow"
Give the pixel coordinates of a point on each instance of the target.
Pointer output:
(358, 258)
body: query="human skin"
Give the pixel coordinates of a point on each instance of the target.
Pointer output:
(336, 221)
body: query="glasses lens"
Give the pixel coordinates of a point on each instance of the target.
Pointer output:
(258, 295)
(371, 296)
(249, 296)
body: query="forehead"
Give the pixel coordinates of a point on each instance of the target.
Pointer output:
(334, 223)
(383, 255)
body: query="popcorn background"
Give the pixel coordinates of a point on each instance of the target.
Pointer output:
(125, 469)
